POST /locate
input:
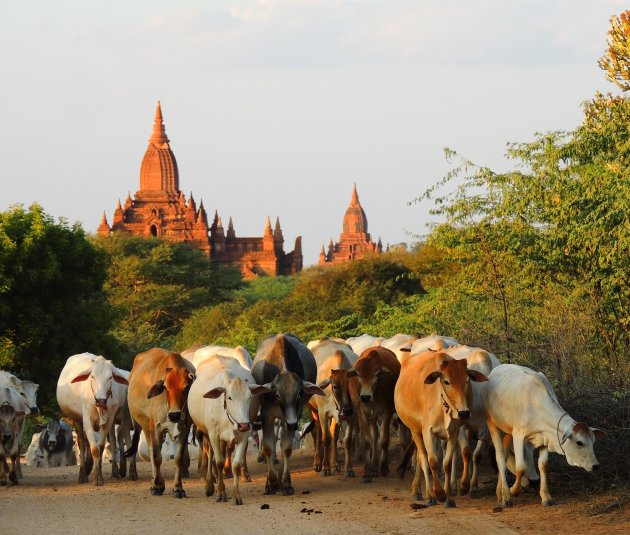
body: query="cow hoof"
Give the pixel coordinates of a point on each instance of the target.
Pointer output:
(222, 498)
(185, 473)
(179, 493)
(464, 489)
(248, 478)
(115, 472)
(13, 482)
(317, 467)
(441, 495)
(326, 472)
(473, 494)
(367, 479)
(431, 502)
(133, 476)
(416, 497)
(508, 503)
(449, 503)
(269, 490)
(384, 470)
(3, 483)
(156, 492)
(349, 473)
(534, 484)
(98, 483)
(83, 476)
(547, 503)
(238, 501)
(289, 491)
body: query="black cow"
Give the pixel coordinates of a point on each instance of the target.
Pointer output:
(56, 443)
(288, 365)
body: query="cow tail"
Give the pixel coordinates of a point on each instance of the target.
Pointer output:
(134, 442)
(404, 463)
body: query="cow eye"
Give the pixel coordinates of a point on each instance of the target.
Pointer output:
(446, 382)
(230, 398)
(580, 443)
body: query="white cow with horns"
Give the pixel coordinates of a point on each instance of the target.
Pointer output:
(90, 392)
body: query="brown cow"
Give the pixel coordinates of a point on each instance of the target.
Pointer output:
(434, 409)
(158, 396)
(375, 374)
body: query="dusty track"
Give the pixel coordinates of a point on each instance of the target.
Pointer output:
(50, 501)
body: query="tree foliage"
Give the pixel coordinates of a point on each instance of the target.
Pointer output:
(616, 60)
(51, 300)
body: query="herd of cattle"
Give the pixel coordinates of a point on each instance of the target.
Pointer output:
(437, 393)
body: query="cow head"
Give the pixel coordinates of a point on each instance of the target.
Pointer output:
(175, 385)
(100, 375)
(368, 370)
(237, 399)
(28, 390)
(341, 391)
(455, 380)
(290, 393)
(577, 444)
(52, 434)
(8, 424)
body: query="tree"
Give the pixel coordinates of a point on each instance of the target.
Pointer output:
(616, 61)
(51, 300)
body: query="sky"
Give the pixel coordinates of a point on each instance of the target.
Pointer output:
(276, 107)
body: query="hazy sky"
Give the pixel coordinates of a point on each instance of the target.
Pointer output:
(275, 107)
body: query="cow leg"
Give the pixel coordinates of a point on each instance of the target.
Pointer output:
(154, 442)
(347, 447)
(3, 464)
(416, 494)
(219, 449)
(474, 478)
(269, 451)
(326, 443)
(96, 447)
(334, 431)
(202, 463)
(84, 471)
(383, 465)
(181, 454)
(518, 442)
(447, 465)
(287, 449)
(113, 449)
(18, 470)
(503, 493)
(245, 471)
(207, 448)
(368, 438)
(543, 458)
(15, 460)
(464, 446)
(435, 491)
(239, 461)
(227, 469)
(122, 438)
(318, 446)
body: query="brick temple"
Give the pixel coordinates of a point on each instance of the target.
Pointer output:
(354, 241)
(159, 208)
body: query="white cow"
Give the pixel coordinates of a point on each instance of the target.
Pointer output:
(222, 404)
(89, 393)
(34, 454)
(399, 344)
(521, 403)
(28, 391)
(331, 355)
(12, 411)
(360, 343)
(205, 352)
(169, 448)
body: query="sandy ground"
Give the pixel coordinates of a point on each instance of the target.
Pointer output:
(51, 501)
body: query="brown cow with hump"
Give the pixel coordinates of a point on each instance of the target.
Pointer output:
(433, 398)
(371, 384)
(158, 396)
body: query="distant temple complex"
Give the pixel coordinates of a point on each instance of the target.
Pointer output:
(159, 208)
(355, 241)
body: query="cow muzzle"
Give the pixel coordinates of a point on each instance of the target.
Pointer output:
(346, 411)
(34, 410)
(292, 427)
(463, 415)
(243, 427)
(596, 467)
(175, 416)
(6, 437)
(100, 403)
(366, 398)
(52, 444)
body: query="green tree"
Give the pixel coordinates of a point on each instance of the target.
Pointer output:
(51, 300)
(616, 60)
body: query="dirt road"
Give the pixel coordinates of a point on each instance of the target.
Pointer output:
(51, 502)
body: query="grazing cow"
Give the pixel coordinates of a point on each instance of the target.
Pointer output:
(376, 372)
(28, 391)
(222, 404)
(522, 404)
(89, 393)
(56, 443)
(360, 343)
(482, 361)
(433, 399)
(332, 355)
(197, 355)
(158, 397)
(433, 342)
(12, 411)
(290, 367)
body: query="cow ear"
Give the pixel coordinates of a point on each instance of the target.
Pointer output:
(39, 428)
(120, 379)
(214, 393)
(599, 434)
(566, 435)
(323, 384)
(476, 376)
(81, 377)
(312, 390)
(351, 373)
(432, 377)
(406, 349)
(168, 370)
(258, 390)
(156, 389)
(384, 371)
(191, 376)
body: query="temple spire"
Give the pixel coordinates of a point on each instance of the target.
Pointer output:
(158, 137)
(355, 195)
(268, 228)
